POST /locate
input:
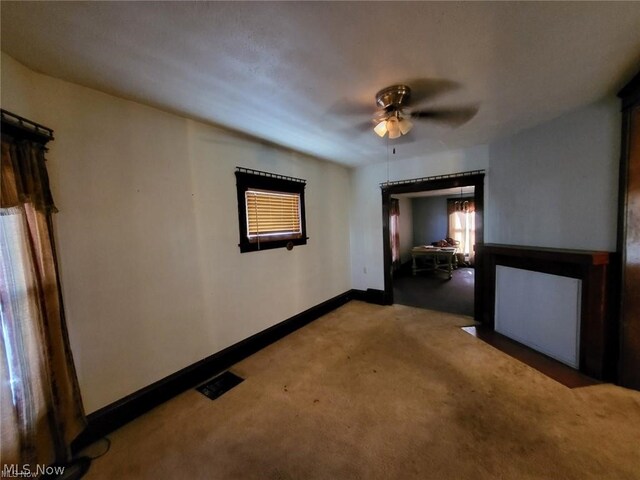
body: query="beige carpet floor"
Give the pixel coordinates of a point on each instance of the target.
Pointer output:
(371, 392)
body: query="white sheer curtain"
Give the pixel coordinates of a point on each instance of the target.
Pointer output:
(394, 232)
(463, 229)
(41, 406)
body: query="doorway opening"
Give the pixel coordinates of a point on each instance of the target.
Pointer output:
(432, 249)
(431, 263)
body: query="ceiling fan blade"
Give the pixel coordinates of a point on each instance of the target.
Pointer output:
(454, 116)
(349, 107)
(380, 115)
(363, 127)
(423, 89)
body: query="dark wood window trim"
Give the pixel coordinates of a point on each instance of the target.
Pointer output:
(252, 179)
(22, 128)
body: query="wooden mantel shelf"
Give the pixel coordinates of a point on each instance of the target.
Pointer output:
(581, 257)
(597, 327)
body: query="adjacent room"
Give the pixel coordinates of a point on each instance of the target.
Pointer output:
(433, 249)
(311, 240)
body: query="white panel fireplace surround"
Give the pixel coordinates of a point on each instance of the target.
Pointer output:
(541, 311)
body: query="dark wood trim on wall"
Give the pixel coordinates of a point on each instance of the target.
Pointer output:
(250, 179)
(627, 279)
(630, 93)
(477, 181)
(597, 327)
(113, 416)
(23, 128)
(371, 295)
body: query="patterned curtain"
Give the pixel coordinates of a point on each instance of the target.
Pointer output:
(461, 212)
(41, 408)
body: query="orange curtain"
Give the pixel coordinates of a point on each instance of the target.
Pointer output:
(41, 408)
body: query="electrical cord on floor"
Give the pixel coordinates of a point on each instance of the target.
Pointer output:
(108, 447)
(77, 467)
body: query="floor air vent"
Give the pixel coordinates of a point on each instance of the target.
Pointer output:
(219, 385)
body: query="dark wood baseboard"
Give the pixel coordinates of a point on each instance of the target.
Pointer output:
(371, 295)
(113, 416)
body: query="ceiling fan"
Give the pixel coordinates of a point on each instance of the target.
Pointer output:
(394, 111)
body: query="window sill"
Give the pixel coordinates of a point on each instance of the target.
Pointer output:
(269, 245)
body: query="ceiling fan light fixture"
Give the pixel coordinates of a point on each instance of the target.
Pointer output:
(394, 105)
(393, 127)
(381, 128)
(405, 126)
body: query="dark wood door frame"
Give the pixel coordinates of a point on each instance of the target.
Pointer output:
(465, 179)
(628, 275)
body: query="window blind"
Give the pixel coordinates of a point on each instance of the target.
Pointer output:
(272, 214)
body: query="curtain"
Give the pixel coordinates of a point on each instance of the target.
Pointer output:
(41, 406)
(394, 230)
(461, 213)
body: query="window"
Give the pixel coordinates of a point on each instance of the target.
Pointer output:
(394, 231)
(271, 210)
(462, 225)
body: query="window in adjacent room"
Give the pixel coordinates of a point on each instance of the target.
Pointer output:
(394, 231)
(462, 225)
(271, 211)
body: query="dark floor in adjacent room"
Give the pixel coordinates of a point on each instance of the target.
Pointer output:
(434, 290)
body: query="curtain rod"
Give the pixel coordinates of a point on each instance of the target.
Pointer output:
(269, 174)
(25, 124)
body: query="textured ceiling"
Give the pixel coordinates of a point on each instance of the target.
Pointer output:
(288, 72)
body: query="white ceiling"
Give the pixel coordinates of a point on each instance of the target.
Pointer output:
(286, 72)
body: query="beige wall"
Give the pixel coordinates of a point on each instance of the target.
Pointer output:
(153, 279)
(147, 231)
